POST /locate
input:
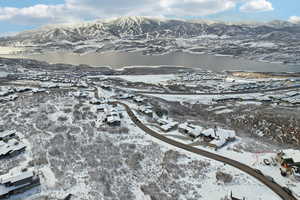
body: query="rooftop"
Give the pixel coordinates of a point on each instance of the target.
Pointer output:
(11, 146)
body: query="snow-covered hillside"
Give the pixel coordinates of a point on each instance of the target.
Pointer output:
(158, 35)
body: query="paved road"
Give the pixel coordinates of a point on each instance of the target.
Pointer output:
(273, 186)
(222, 93)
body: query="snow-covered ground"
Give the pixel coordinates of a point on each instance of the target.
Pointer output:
(10, 50)
(253, 157)
(153, 79)
(103, 163)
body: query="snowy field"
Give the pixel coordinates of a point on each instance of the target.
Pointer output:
(153, 79)
(78, 158)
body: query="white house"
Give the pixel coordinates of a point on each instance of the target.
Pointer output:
(13, 183)
(147, 110)
(6, 135)
(11, 148)
(220, 136)
(190, 130)
(167, 125)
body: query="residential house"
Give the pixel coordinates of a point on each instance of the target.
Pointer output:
(7, 135)
(139, 99)
(220, 137)
(190, 130)
(11, 148)
(147, 110)
(113, 117)
(167, 125)
(17, 183)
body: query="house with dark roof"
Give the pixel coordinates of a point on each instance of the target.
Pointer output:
(14, 183)
(11, 148)
(7, 135)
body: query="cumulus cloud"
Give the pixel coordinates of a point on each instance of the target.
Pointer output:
(294, 19)
(256, 6)
(35, 14)
(72, 10)
(195, 7)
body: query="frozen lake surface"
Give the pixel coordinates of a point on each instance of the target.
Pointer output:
(123, 59)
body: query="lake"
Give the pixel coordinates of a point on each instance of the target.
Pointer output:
(123, 59)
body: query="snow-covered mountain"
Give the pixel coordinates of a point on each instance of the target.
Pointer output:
(276, 41)
(144, 27)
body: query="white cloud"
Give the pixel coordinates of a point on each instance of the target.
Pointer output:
(195, 7)
(294, 19)
(37, 14)
(256, 6)
(72, 10)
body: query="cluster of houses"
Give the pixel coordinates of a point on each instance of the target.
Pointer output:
(113, 116)
(10, 146)
(292, 97)
(112, 113)
(213, 137)
(14, 182)
(59, 78)
(146, 110)
(201, 76)
(254, 85)
(214, 82)
(11, 93)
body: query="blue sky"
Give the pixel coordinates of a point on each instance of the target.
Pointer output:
(19, 15)
(283, 10)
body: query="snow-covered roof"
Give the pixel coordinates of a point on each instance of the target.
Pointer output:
(146, 109)
(224, 133)
(219, 142)
(48, 85)
(34, 90)
(113, 114)
(113, 118)
(12, 178)
(125, 96)
(11, 146)
(209, 132)
(192, 130)
(95, 100)
(6, 90)
(6, 134)
(22, 89)
(139, 99)
(220, 133)
(168, 126)
(292, 93)
(293, 100)
(101, 106)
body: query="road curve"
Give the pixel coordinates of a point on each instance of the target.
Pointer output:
(245, 168)
(216, 93)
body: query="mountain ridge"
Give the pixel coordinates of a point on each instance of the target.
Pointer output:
(276, 41)
(139, 25)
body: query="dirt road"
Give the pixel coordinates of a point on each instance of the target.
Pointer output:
(252, 172)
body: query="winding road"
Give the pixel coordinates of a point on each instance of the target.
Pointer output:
(280, 191)
(245, 168)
